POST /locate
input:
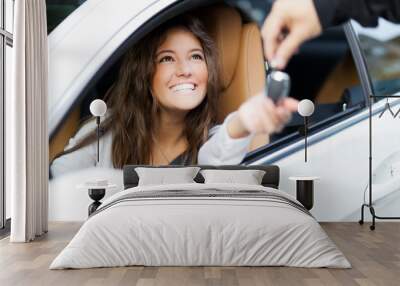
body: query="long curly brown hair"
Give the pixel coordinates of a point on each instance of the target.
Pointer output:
(133, 109)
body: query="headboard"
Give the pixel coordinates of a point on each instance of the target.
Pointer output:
(270, 179)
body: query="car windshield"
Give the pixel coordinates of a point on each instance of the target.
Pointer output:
(381, 48)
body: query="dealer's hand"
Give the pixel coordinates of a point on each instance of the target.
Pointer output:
(288, 25)
(260, 115)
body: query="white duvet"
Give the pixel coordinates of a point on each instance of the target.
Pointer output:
(183, 231)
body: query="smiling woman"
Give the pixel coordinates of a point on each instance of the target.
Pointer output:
(163, 107)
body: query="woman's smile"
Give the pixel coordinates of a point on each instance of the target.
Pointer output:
(183, 87)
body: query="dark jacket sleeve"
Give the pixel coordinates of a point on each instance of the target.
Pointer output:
(366, 12)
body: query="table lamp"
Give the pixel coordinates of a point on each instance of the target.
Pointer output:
(305, 109)
(98, 108)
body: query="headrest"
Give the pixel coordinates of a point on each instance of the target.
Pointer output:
(249, 77)
(224, 24)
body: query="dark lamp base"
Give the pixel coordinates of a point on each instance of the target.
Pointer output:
(96, 195)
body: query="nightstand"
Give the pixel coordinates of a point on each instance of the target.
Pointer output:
(305, 190)
(96, 192)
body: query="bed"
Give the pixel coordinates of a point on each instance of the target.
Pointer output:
(201, 223)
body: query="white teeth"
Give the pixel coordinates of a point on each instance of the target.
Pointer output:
(183, 86)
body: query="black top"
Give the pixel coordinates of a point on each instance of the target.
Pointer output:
(182, 159)
(366, 12)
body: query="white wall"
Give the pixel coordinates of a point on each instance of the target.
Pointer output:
(69, 203)
(341, 161)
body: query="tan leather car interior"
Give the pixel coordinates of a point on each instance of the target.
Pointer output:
(241, 63)
(241, 60)
(344, 75)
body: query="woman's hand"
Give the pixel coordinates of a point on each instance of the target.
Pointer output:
(260, 115)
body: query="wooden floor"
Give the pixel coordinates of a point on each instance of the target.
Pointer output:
(374, 255)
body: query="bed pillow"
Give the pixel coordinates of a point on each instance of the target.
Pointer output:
(248, 177)
(162, 176)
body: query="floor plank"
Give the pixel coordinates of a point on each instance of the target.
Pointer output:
(374, 255)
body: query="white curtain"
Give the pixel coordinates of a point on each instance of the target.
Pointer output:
(26, 123)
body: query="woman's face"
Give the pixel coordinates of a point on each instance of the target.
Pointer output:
(180, 78)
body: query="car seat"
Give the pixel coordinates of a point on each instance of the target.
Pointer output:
(241, 57)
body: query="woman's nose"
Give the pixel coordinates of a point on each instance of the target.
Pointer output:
(184, 69)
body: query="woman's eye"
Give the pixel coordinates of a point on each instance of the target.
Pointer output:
(197, 57)
(166, 59)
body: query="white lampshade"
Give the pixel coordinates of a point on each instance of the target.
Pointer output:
(305, 107)
(98, 107)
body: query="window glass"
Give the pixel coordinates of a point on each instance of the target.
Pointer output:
(58, 10)
(1, 148)
(8, 70)
(6, 8)
(2, 43)
(381, 48)
(324, 71)
(9, 9)
(254, 9)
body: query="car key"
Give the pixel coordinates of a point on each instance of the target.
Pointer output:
(277, 85)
